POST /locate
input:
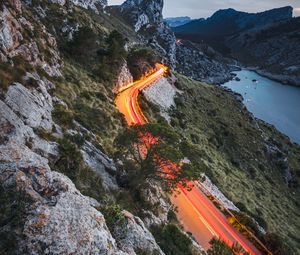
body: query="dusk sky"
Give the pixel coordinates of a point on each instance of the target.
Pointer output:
(205, 8)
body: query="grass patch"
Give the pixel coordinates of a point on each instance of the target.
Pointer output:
(90, 102)
(42, 133)
(12, 73)
(63, 117)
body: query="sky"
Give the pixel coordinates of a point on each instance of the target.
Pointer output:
(205, 8)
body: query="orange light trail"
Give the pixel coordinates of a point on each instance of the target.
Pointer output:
(196, 212)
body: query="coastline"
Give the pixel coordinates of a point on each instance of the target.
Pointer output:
(240, 99)
(284, 79)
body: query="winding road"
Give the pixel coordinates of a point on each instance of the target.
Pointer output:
(196, 212)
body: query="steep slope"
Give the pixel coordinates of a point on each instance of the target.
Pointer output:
(146, 18)
(58, 188)
(254, 165)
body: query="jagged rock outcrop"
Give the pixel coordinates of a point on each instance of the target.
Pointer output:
(94, 5)
(143, 13)
(135, 237)
(101, 164)
(124, 78)
(186, 58)
(162, 93)
(146, 18)
(202, 63)
(14, 32)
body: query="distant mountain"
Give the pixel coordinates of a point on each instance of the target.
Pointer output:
(177, 21)
(229, 22)
(275, 49)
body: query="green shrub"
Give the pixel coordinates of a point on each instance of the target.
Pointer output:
(62, 116)
(42, 133)
(12, 73)
(141, 61)
(12, 215)
(113, 215)
(171, 240)
(116, 43)
(218, 247)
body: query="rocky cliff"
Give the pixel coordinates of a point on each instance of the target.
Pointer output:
(54, 174)
(146, 18)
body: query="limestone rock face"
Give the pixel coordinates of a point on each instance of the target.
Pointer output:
(34, 106)
(155, 196)
(60, 220)
(146, 17)
(56, 207)
(151, 11)
(101, 164)
(136, 236)
(10, 36)
(79, 227)
(162, 93)
(124, 77)
(14, 42)
(87, 4)
(202, 63)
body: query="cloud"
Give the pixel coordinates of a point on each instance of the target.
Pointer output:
(297, 11)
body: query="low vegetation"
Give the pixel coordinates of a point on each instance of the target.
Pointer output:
(171, 240)
(218, 247)
(113, 215)
(12, 215)
(235, 155)
(89, 103)
(141, 61)
(12, 72)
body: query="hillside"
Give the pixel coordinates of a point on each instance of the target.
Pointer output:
(243, 156)
(147, 20)
(71, 181)
(268, 41)
(274, 50)
(228, 22)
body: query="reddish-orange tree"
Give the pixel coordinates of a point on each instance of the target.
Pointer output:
(153, 152)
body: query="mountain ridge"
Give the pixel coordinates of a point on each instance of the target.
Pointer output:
(177, 21)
